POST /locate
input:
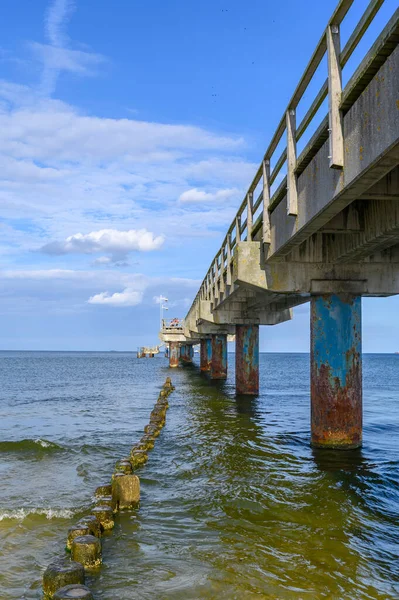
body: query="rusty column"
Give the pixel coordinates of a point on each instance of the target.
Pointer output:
(247, 359)
(336, 371)
(173, 354)
(206, 355)
(183, 353)
(189, 353)
(219, 356)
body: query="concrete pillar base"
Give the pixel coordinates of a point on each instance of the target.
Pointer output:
(247, 360)
(206, 355)
(219, 356)
(174, 352)
(336, 371)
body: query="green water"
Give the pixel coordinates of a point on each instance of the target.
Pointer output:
(234, 504)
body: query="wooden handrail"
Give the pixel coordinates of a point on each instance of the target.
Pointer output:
(329, 41)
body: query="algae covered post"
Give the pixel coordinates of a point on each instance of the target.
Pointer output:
(65, 577)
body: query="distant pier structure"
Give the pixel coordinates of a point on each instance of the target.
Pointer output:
(319, 223)
(148, 351)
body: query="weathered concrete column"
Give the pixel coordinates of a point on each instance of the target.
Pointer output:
(190, 353)
(206, 355)
(247, 359)
(183, 352)
(187, 353)
(336, 371)
(219, 356)
(173, 354)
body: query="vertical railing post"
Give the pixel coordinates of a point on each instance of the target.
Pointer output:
(238, 228)
(228, 260)
(292, 192)
(216, 278)
(249, 215)
(336, 138)
(222, 255)
(266, 202)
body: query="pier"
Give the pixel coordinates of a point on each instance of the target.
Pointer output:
(326, 232)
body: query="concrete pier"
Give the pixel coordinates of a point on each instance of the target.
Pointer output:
(174, 352)
(336, 371)
(219, 356)
(328, 234)
(206, 355)
(247, 359)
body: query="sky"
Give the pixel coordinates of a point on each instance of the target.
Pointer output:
(129, 132)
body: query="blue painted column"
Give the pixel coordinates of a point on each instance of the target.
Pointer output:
(219, 356)
(336, 371)
(247, 359)
(174, 354)
(183, 349)
(206, 355)
(190, 353)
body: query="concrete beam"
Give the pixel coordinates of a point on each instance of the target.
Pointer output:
(381, 230)
(369, 278)
(242, 314)
(371, 151)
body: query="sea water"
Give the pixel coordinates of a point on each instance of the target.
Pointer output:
(235, 504)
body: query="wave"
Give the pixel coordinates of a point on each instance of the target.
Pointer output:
(20, 514)
(28, 445)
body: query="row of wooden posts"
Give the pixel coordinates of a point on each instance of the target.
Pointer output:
(64, 578)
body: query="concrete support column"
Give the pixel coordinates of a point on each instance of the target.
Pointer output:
(187, 353)
(183, 352)
(336, 371)
(219, 356)
(190, 353)
(206, 355)
(174, 354)
(247, 359)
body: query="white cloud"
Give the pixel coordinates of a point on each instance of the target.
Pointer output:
(55, 21)
(117, 243)
(57, 56)
(73, 172)
(128, 297)
(196, 196)
(45, 291)
(52, 131)
(65, 172)
(102, 260)
(57, 59)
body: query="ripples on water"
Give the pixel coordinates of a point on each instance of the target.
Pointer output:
(235, 504)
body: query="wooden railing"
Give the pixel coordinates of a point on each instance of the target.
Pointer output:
(243, 226)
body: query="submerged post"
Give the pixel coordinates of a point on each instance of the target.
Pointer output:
(173, 354)
(219, 356)
(206, 355)
(336, 371)
(247, 359)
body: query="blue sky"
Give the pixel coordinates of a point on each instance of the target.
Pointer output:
(129, 132)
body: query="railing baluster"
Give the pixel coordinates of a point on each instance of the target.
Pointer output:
(292, 192)
(250, 198)
(238, 228)
(216, 277)
(266, 201)
(222, 285)
(334, 98)
(228, 272)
